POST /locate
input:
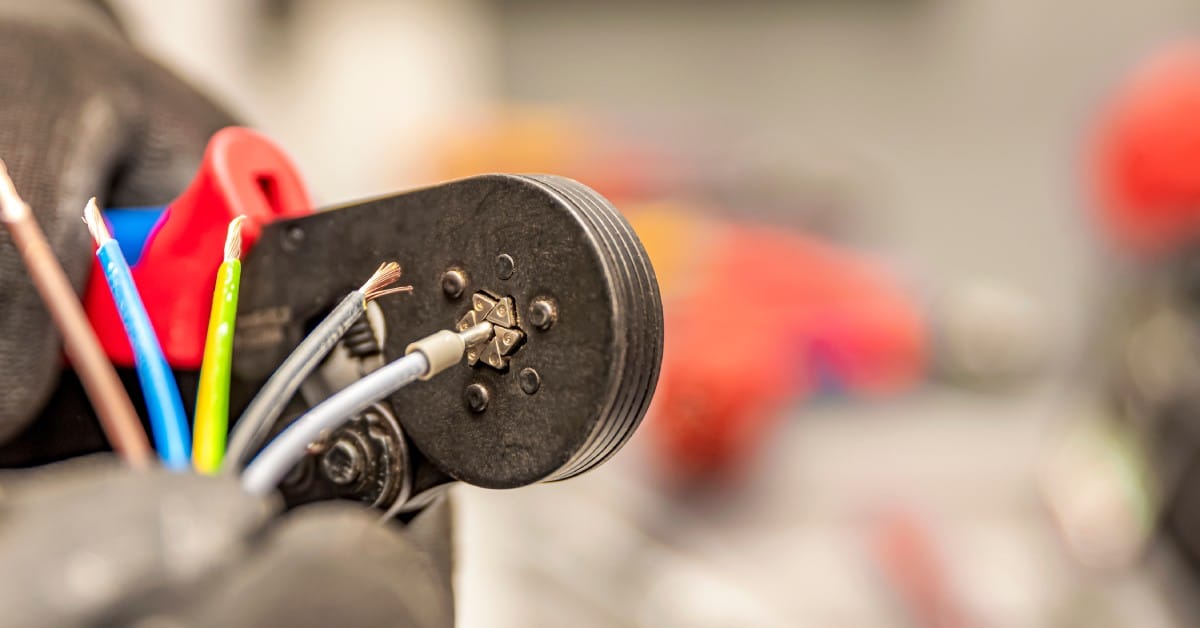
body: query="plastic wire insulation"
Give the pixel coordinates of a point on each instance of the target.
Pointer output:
(212, 397)
(168, 421)
(256, 421)
(269, 468)
(104, 389)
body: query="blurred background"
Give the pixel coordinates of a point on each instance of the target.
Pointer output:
(916, 363)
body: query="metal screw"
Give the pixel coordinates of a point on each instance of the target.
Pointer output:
(454, 281)
(293, 239)
(530, 380)
(504, 266)
(477, 397)
(543, 313)
(343, 463)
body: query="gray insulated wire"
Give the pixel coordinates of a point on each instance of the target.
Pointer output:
(255, 423)
(268, 469)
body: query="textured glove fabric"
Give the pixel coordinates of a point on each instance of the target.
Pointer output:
(332, 564)
(82, 114)
(91, 543)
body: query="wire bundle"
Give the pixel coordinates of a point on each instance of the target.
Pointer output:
(256, 421)
(168, 420)
(164, 404)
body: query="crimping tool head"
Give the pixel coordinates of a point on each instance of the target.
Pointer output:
(567, 373)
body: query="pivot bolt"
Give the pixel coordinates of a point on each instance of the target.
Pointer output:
(454, 281)
(343, 463)
(543, 313)
(505, 266)
(477, 397)
(530, 380)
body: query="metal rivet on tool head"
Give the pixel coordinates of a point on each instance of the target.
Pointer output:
(477, 397)
(343, 463)
(530, 380)
(504, 266)
(293, 238)
(542, 313)
(454, 281)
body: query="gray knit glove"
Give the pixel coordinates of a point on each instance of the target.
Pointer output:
(81, 114)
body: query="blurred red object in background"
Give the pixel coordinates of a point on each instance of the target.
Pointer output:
(757, 318)
(1147, 155)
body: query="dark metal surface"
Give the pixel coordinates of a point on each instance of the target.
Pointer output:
(548, 248)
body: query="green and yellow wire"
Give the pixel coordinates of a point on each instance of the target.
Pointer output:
(212, 398)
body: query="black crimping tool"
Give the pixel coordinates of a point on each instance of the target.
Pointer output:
(557, 389)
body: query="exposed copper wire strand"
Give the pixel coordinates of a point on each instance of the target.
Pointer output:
(377, 286)
(95, 222)
(233, 239)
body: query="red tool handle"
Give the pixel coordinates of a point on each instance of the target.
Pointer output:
(243, 173)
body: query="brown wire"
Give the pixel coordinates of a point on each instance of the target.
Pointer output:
(118, 419)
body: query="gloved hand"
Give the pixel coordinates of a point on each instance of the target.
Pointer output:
(82, 113)
(90, 543)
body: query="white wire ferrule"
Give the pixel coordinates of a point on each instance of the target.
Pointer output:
(445, 348)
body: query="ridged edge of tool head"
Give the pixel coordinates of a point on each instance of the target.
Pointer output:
(637, 316)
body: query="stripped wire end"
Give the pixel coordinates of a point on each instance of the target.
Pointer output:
(95, 222)
(378, 285)
(12, 207)
(233, 239)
